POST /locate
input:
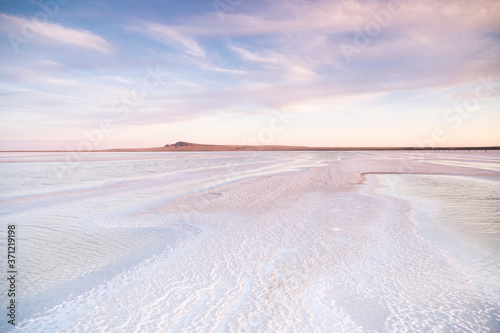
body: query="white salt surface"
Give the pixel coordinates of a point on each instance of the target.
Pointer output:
(251, 242)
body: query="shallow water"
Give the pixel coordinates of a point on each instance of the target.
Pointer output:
(460, 214)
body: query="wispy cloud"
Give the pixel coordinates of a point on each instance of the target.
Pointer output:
(330, 17)
(171, 36)
(54, 33)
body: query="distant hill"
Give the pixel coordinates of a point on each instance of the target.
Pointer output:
(188, 146)
(182, 144)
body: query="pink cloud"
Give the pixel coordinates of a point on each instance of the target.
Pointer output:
(21, 29)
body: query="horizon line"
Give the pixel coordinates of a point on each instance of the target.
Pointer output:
(187, 146)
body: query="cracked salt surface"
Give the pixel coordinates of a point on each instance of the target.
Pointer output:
(298, 242)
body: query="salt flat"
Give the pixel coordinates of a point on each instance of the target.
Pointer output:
(255, 242)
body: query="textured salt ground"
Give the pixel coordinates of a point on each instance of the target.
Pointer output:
(314, 250)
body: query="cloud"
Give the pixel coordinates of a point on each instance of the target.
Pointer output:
(299, 41)
(169, 35)
(330, 17)
(271, 57)
(20, 28)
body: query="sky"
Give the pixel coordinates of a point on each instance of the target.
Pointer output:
(112, 74)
